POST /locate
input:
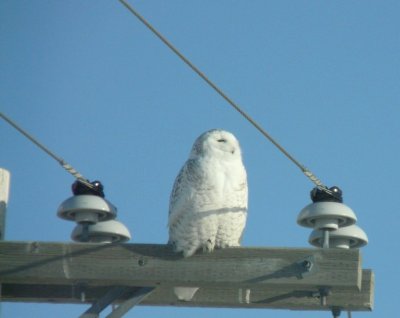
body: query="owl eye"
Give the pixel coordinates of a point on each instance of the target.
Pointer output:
(221, 140)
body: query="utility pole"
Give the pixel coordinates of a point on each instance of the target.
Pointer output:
(4, 191)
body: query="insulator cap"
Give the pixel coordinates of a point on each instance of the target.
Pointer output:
(326, 215)
(111, 231)
(345, 237)
(86, 209)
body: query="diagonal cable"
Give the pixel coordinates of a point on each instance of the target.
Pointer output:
(61, 161)
(306, 171)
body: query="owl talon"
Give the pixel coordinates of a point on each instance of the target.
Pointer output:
(208, 246)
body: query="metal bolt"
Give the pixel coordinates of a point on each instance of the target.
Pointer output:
(307, 265)
(304, 266)
(324, 292)
(142, 262)
(336, 311)
(83, 297)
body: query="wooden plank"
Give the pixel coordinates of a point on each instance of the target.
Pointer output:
(153, 265)
(257, 297)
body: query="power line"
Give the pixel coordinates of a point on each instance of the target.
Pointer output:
(61, 161)
(306, 171)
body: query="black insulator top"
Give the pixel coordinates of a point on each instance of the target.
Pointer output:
(78, 187)
(334, 195)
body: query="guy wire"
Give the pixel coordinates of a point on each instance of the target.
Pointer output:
(61, 161)
(305, 171)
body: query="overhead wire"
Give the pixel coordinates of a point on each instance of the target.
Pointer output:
(305, 170)
(61, 161)
(78, 176)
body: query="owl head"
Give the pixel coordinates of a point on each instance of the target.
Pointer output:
(217, 143)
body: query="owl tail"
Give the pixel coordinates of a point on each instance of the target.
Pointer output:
(185, 293)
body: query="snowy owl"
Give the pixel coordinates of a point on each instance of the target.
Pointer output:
(208, 203)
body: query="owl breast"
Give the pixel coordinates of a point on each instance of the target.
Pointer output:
(216, 210)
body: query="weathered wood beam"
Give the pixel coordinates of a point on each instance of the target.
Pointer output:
(257, 297)
(154, 265)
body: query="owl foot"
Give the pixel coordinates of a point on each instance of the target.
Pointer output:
(189, 252)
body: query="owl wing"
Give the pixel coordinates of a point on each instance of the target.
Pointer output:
(180, 196)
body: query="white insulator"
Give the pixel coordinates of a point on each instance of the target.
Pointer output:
(111, 231)
(345, 237)
(326, 216)
(86, 208)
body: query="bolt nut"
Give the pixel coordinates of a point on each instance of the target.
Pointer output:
(307, 265)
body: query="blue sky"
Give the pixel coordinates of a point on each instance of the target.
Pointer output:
(96, 87)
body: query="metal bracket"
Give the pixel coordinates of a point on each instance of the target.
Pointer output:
(134, 299)
(136, 296)
(103, 302)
